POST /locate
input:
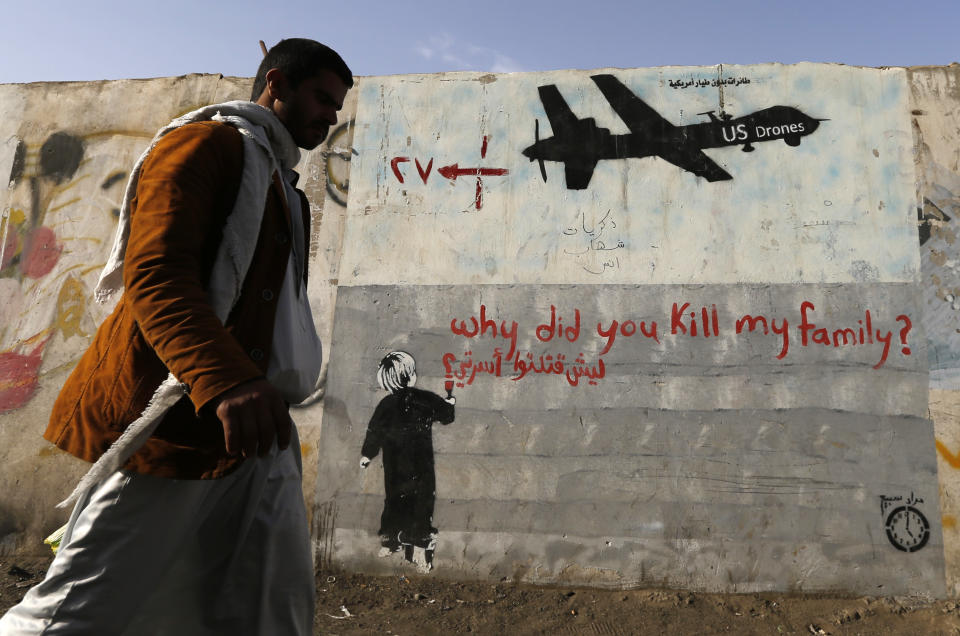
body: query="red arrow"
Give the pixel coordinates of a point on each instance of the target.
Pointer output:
(454, 170)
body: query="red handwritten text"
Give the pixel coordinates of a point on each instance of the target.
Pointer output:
(546, 332)
(627, 329)
(810, 332)
(702, 322)
(453, 171)
(484, 325)
(707, 324)
(752, 321)
(466, 370)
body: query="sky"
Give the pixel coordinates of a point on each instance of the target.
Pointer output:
(58, 40)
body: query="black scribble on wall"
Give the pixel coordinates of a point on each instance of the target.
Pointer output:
(60, 156)
(929, 216)
(579, 143)
(114, 177)
(401, 429)
(19, 160)
(28, 247)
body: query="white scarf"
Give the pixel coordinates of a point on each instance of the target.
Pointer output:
(267, 148)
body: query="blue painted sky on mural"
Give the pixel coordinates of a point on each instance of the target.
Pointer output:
(107, 39)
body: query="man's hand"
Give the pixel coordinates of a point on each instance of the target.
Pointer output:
(252, 414)
(364, 462)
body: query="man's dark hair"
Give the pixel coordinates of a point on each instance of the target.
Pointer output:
(300, 59)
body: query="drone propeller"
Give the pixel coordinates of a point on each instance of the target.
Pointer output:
(536, 136)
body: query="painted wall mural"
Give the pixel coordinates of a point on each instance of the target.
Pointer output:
(577, 442)
(579, 143)
(787, 216)
(701, 322)
(401, 430)
(683, 323)
(724, 361)
(60, 207)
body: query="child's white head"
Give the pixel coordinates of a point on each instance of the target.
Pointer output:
(397, 370)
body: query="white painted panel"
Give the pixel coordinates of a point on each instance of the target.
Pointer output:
(839, 207)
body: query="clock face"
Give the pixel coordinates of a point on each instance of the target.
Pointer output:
(907, 529)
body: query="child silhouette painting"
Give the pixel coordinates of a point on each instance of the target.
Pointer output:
(402, 430)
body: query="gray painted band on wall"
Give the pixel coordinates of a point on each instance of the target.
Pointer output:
(688, 447)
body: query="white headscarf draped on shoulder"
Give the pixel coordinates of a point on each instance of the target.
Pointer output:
(267, 148)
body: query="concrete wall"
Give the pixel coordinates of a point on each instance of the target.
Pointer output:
(935, 116)
(683, 451)
(649, 440)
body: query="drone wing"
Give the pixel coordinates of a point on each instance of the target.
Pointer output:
(693, 160)
(639, 117)
(643, 120)
(562, 119)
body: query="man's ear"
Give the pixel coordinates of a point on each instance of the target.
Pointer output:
(277, 84)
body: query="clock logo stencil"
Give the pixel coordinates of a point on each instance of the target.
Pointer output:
(907, 527)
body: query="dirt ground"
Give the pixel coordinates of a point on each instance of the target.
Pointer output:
(413, 604)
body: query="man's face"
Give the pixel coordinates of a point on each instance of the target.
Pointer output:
(311, 108)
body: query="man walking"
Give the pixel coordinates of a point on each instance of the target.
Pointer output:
(191, 520)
